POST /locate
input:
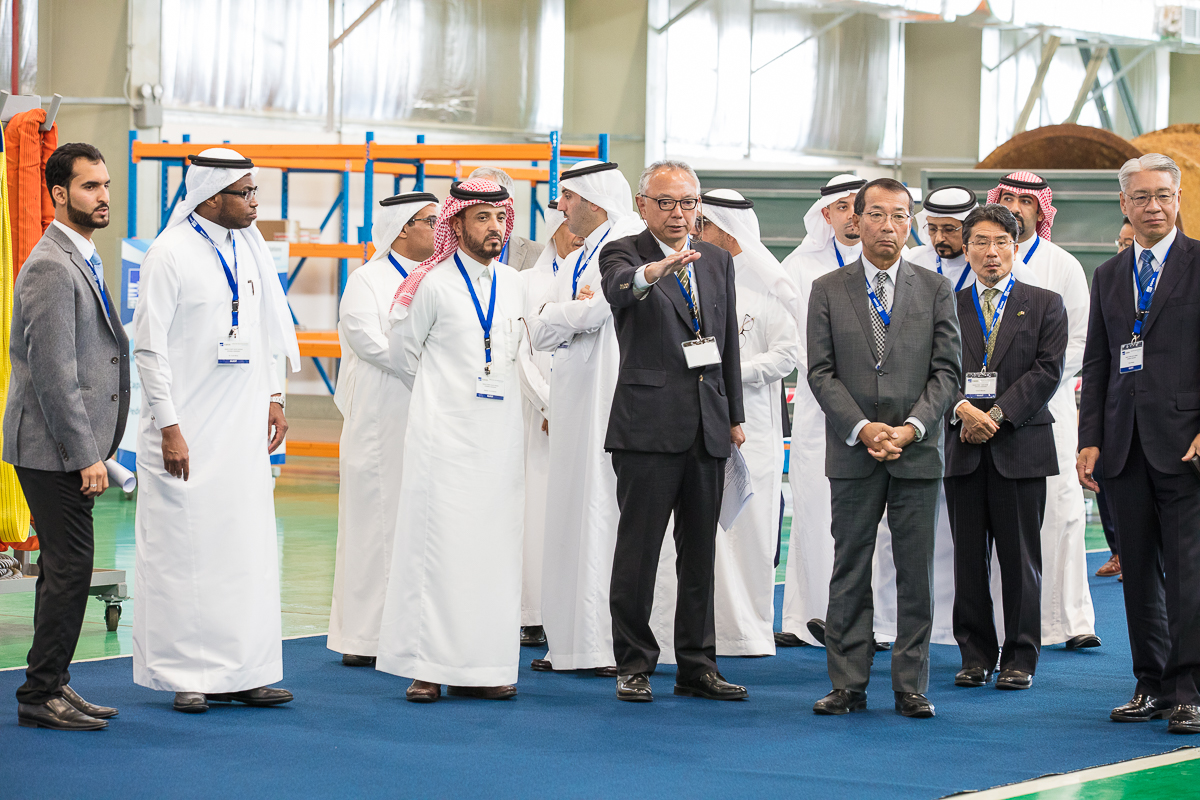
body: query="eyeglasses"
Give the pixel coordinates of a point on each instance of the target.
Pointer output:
(1142, 200)
(945, 230)
(1123, 243)
(430, 221)
(984, 245)
(878, 217)
(700, 223)
(747, 326)
(669, 203)
(246, 194)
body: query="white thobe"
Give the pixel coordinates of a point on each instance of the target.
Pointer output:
(1066, 599)
(581, 505)
(534, 368)
(374, 404)
(958, 272)
(207, 609)
(453, 603)
(810, 544)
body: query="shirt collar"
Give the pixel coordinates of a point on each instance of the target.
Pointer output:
(667, 249)
(473, 266)
(86, 247)
(1159, 249)
(1003, 285)
(592, 239)
(408, 264)
(218, 233)
(849, 252)
(871, 269)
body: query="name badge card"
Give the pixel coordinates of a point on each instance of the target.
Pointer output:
(1131, 356)
(489, 388)
(233, 351)
(980, 385)
(701, 352)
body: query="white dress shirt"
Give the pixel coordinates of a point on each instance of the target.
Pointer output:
(641, 287)
(1159, 251)
(980, 287)
(86, 247)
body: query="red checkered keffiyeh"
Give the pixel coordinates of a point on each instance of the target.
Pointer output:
(445, 242)
(1028, 183)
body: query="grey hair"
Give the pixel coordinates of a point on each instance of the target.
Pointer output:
(658, 166)
(496, 176)
(1150, 161)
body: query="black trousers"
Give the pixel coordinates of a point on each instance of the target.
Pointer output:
(650, 487)
(63, 520)
(1106, 515)
(988, 510)
(1158, 532)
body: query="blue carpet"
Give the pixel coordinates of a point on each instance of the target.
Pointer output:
(350, 734)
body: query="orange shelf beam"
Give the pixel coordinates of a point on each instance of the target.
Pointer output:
(303, 151)
(318, 449)
(318, 250)
(319, 344)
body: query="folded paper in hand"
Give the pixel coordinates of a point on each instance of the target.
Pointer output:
(738, 490)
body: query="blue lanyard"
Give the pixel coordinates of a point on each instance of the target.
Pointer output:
(1146, 295)
(962, 278)
(229, 276)
(396, 264)
(1036, 241)
(581, 265)
(503, 258)
(987, 330)
(99, 285)
(691, 303)
(485, 322)
(879, 309)
(838, 253)
(554, 266)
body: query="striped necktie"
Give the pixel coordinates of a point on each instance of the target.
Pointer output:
(989, 312)
(686, 280)
(879, 329)
(1146, 272)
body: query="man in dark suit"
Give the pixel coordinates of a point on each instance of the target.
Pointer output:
(67, 403)
(676, 410)
(999, 450)
(1139, 419)
(883, 363)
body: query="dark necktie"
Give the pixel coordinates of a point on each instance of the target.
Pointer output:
(989, 312)
(880, 329)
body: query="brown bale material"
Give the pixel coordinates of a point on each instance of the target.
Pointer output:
(1181, 143)
(1062, 147)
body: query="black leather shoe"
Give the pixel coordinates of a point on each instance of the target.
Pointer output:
(973, 677)
(840, 701)
(191, 702)
(262, 696)
(634, 688)
(606, 672)
(57, 715)
(349, 660)
(1082, 640)
(917, 706)
(533, 636)
(817, 628)
(541, 665)
(83, 706)
(710, 686)
(503, 692)
(1014, 679)
(1184, 719)
(785, 639)
(1142, 708)
(882, 647)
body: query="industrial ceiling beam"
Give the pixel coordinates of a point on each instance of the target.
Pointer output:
(1035, 91)
(1089, 79)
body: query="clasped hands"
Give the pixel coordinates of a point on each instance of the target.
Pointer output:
(977, 426)
(884, 442)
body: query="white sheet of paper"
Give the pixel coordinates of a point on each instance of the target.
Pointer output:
(738, 489)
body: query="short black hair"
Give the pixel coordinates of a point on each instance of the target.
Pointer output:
(1124, 221)
(992, 212)
(888, 185)
(60, 167)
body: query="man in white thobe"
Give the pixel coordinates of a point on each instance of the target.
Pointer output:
(374, 405)
(1067, 612)
(210, 313)
(574, 322)
(768, 309)
(535, 386)
(454, 593)
(941, 218)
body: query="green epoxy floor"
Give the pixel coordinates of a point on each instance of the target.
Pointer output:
(1172, 781)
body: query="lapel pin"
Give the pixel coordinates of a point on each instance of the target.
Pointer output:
(1020, 313)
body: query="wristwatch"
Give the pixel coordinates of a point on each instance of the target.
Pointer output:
(277, 398)
(996, 414)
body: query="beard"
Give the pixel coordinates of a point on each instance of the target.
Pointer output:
(85, 219)
(1020, 225)
(945, 251)
(485, 248)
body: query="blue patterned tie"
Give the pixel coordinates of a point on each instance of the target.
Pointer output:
(1147, 271)
(97, 272)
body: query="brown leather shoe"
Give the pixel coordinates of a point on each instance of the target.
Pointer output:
(541, 665)
(423, 692)
(484, 692)
(1111, 567)
(606, 672)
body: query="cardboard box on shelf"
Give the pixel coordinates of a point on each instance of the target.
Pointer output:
(280, 230)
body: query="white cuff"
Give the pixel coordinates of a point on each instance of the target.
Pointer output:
(954, 420)
(163, 415)
(853, 440)
(916, 423)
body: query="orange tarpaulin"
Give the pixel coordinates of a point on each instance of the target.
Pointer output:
(27, 149)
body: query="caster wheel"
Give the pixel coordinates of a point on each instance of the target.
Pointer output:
(112, 615)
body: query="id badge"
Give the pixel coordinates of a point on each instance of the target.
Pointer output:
(233, 351)
(1131, 357)
(980, 385)
(489, 388)
(701, 352)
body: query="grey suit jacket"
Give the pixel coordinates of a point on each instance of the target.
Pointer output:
(523, 253)
(918, 376)
(68, 396)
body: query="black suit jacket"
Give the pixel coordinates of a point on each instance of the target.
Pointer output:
(1028, 360)
(1163, 398)
(659, 403)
